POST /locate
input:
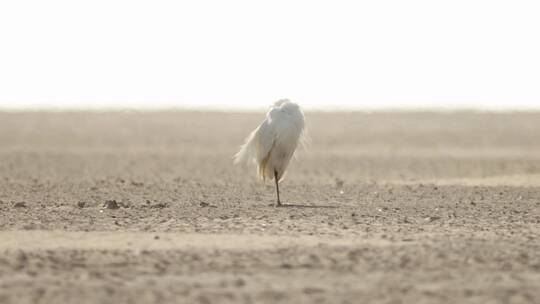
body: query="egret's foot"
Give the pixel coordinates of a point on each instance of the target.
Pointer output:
(276, 205)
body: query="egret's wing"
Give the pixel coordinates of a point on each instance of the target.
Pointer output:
(265, 136)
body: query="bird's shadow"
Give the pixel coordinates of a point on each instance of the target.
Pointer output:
(302, 206)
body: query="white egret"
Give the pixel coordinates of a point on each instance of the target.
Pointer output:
(272, 145)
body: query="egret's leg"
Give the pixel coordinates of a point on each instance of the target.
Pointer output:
(277, 187)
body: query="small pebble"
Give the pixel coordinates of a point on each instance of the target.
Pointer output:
(19, 205)
(111, 204)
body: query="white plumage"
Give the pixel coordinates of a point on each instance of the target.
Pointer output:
(272, 145)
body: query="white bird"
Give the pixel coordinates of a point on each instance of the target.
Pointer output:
(272, 145)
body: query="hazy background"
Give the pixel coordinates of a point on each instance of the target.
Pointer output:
(245, 54)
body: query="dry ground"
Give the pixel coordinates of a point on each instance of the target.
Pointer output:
(384, 208)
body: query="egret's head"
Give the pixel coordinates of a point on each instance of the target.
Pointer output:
(280, 102)
(289, 106)
(286, 105)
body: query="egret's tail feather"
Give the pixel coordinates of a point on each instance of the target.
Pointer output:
(247, 151)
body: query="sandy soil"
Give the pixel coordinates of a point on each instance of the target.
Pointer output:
(383, 208)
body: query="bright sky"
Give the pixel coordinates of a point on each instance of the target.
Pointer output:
(353, 54)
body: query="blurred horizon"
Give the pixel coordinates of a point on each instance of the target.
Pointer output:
(262, 106)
